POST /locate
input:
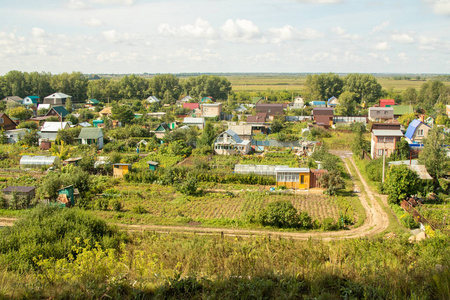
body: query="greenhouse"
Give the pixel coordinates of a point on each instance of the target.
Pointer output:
(33, 162)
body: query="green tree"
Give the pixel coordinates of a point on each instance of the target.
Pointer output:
(431, 92)
(276, 126)
(401, 151)
(365, 86)
(69, 105)
(28, 125)
(165, 87)
(20, 112)
(123, 114)
(400, 182)
(188, 186)
(443, 120)
(409, 96)
(31, 138)
(347, 104)
(3, 138)
(360, 144)
(332, 182)
(406, 119)
(323, 86)
(207, 85)
(68, 136)
(434, 154)
(208, 136)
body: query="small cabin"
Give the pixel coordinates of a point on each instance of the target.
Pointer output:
(293, 178)
(152, 165)
(119, 170)
(27, 192)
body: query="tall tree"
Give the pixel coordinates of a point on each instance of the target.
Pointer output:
(166, 87)
(400, 182)
(323, 86)
(347, 104)
(409, 96)
(434, 155)
(433, 91)
(207, 85)
(365, 86)
(208, 135)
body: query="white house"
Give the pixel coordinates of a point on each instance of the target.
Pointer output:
(229, 143)
(90, 136)
(199, 122)
(56, 99)
(153, 99)
(49, 130)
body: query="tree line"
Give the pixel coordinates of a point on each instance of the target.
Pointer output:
(166, 87)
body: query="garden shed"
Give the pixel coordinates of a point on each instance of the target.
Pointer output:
(152, 165)
(119, 170)
(32, 162)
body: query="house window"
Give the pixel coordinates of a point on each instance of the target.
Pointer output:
(380, 152)
(302, 179)
(1, 120)
(420, 132)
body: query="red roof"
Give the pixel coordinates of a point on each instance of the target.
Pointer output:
(384, 102)
(191, 105)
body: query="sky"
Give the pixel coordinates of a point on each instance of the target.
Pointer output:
(222, 36)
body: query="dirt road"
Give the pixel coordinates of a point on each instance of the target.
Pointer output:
(376, 219)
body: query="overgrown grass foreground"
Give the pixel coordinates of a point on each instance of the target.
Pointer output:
(172, 266)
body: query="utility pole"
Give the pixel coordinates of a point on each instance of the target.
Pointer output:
(384, 158)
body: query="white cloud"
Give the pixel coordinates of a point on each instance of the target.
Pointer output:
(115, 37)
(93, 22)
(38, 32)
(380, 26)
(319, 1)
(240, 30)
(402, 38)
(344, 34)
(402, 56)
(382, 46)
(201, 29)
(440, 7)
(288, 32)
(77, 4)
(121, 2)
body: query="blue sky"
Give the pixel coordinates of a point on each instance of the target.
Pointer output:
(173, 36)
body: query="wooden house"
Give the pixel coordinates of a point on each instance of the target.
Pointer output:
(92, 135)
(293, 178)
(57, 111)
(56, 99)
(323, 116)
(6, 122)
(380, 114)
(229, 143)
(161, 130)
(29, 192)
(119, 170)
(417, 131)
(383, 142)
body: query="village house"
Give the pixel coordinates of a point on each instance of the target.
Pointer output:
(199, 122)
(257, 100)
(211, 110)
(15, 99)
(15, 135)
(318, 104)
(185, 99)
(158, 115)
(383, 142)
(193, 107)
(387, 102)
(49, 130)
(6, 122)
(298, 178)
(229, 143)
(380, 114)
(89, 136)
(416, 132)
(152, 99)
(161, 130)
(298, 103)
(333, 102)
(244, 131)
(56, 99)
(30, 100)
(57, 111)
(105, 112)
(270, 109)
(323, 116)
(400, 110)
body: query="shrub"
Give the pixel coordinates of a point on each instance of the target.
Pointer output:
(49, 231)
(139, 209)
(188, 186)
(282, 214)
(116, 204)
(102, 204)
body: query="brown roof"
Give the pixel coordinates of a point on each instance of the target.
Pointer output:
(19, 189)
(390, 126)
(259, 118)
(323, 111)
(271, 108)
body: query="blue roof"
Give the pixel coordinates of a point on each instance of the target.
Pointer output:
(412, 128)
(318, 103)
(234, 135)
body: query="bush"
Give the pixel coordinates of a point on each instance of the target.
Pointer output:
(139, 209)
(282, 214)
(49, 231)
(116, 204)
(188, 186)
(102, 204)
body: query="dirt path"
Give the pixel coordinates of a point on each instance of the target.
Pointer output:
(376, 219)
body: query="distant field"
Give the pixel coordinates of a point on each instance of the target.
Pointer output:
(256, 83)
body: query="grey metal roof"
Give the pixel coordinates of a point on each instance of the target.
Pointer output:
(20, 189)
(292, 170)
(386, 132)
(234, 135)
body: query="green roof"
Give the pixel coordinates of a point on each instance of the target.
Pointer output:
(60, 110)
(90, 133)
(402, 109)
(93, 101)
